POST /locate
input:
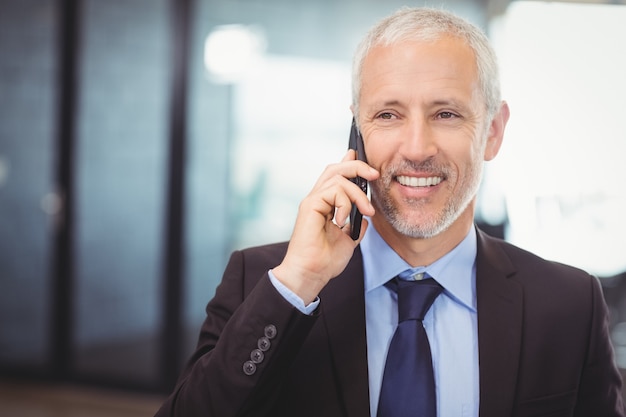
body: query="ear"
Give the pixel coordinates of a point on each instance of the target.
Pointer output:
(496, 132)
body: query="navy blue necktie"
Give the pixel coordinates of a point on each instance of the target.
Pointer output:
(408, 387)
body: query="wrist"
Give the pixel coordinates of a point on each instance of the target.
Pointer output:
(306, 288)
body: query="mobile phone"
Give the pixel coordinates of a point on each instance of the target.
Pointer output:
(356, 143)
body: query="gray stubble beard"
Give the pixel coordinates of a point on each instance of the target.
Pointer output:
(455, 206)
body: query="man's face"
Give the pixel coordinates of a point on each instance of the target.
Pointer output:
(422, 117)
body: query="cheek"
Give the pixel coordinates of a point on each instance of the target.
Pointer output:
(473, 146)
(379, 153)
(464, 162)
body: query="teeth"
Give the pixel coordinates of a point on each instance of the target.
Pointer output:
(419, 182)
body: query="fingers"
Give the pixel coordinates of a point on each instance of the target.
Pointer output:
(348, 231)
(333, 201)
(337, 193)
(343, 204)
(320, 246)
(349, 167)
(349, 156)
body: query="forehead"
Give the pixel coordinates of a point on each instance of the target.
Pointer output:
(447, 64)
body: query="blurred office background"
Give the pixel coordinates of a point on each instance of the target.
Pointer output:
(141, 141)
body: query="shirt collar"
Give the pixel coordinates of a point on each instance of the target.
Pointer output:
(455, 271)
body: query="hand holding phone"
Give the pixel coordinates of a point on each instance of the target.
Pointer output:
(356, 143)
(319, 251)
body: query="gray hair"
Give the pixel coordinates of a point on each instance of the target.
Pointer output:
(424, 25)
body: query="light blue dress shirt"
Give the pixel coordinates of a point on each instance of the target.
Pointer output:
(451, 323)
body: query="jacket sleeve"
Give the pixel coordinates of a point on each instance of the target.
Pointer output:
(248, 340)
(600, 387)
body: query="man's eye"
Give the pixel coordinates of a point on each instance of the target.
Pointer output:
(385, 116)
(446, 115)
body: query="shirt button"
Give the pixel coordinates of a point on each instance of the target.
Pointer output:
(257, 356)
(264, 344)
(270, 331)
(418, 277)
(249, 368)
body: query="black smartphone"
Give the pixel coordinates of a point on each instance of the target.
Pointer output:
(356, 143)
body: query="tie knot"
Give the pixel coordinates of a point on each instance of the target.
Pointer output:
(416, 297)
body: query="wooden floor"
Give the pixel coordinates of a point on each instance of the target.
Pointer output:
(38, 400)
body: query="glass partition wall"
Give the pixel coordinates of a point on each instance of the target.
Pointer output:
(135, 155)
(140, 143)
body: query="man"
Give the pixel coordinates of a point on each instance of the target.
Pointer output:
(305, 328)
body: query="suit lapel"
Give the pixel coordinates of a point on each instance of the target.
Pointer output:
(343, 305)
(500, 319)
(500, 316)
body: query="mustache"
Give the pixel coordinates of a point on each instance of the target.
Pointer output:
(428, 166)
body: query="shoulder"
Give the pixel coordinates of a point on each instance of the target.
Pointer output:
(254, 262)
(553, 293)
(265, 254)
(499, 256)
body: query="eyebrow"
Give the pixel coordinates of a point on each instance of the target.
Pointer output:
(387, 103)
(447, 102)
(436, 102)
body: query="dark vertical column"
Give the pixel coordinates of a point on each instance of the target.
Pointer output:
(63, 272)
(175, 236)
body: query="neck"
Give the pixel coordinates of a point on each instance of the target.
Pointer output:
(425, 251)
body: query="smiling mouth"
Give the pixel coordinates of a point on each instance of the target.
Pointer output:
(418, 181)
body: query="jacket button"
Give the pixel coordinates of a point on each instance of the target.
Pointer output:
(264, 344)
(270, 331)
(257, 356)
(249, 368)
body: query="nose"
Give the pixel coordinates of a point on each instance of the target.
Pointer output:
(418, 141)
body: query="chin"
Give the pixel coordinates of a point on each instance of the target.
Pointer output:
(418, 231)
(418, 226)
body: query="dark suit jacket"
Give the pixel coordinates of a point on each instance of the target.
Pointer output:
(544, 347)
